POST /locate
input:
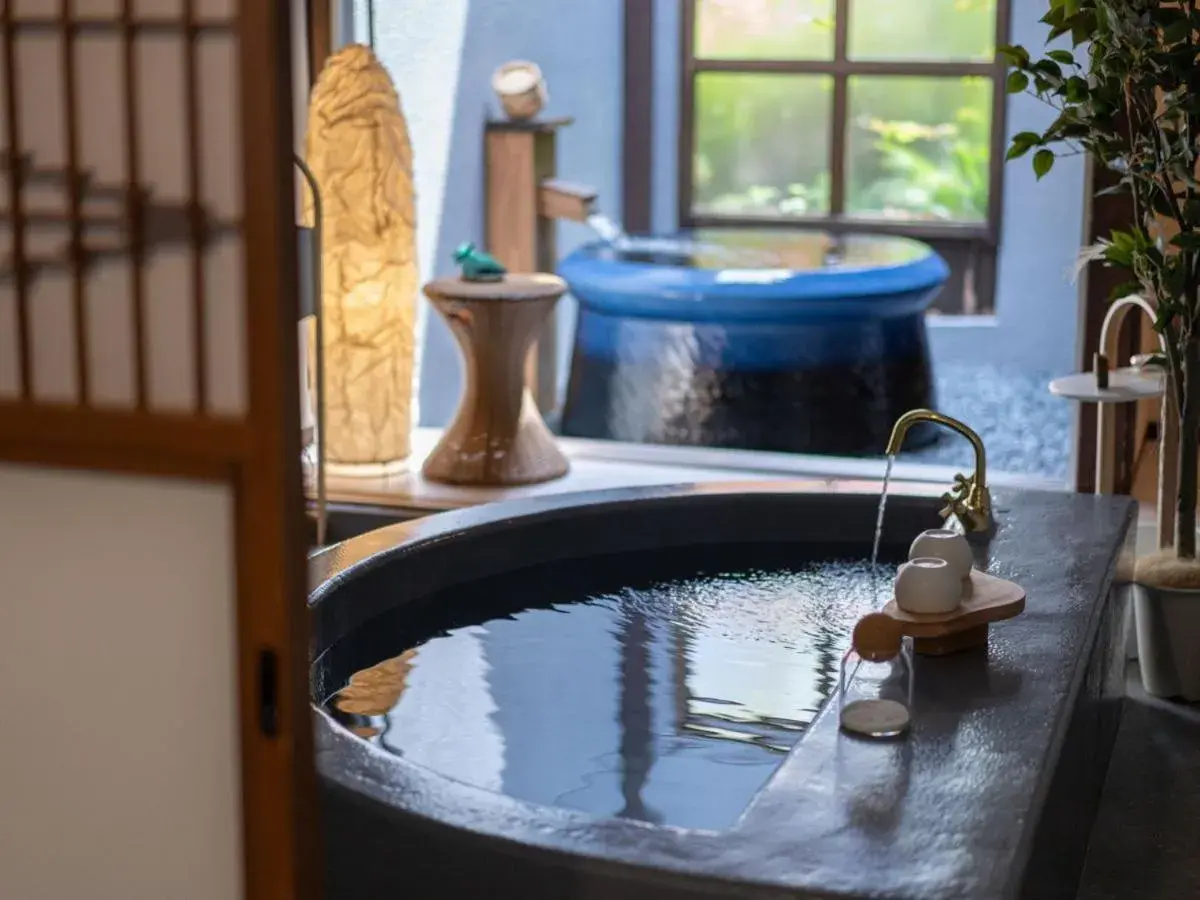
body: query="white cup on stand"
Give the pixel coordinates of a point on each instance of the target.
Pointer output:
(942, 543)
(928, 585)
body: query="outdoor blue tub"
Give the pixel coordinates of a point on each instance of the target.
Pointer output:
(767, 340)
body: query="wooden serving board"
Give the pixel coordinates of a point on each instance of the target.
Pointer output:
(986, 599)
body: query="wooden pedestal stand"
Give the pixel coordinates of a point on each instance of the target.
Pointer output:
(498, 436)
(986, 599)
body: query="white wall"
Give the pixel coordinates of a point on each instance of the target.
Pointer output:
(441, 54)
(119, 757)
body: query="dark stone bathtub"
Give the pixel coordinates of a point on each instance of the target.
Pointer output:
(991, 796)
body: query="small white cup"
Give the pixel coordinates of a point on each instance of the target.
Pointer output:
(942, 543)
(927, 585)
(521, 88)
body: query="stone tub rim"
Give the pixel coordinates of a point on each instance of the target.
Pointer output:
(802, 835)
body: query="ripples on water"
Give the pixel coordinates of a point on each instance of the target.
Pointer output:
(664, 687)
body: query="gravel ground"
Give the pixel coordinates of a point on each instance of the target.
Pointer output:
(1025, 429)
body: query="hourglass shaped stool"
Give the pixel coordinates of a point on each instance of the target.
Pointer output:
(498, 436)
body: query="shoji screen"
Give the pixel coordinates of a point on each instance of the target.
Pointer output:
(152, 702)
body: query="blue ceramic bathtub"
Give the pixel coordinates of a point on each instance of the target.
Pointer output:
(766, 340)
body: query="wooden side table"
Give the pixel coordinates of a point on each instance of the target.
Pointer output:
(498, 436)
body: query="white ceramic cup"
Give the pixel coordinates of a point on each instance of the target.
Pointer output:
(942, 543)
(521, 88)
(928, 585)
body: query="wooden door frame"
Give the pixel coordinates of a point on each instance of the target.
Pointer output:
(279, 778)
(637, 113)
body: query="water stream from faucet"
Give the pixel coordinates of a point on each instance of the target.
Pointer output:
(608, 230)
(887, 476)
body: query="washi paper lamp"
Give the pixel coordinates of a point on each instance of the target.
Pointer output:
(358, 148)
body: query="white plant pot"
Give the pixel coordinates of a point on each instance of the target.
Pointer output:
(1168, 639)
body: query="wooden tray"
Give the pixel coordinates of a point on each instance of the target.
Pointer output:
(986, 599)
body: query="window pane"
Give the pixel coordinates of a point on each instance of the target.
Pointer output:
(918, 148)
(922, 29)
(764, 29)
(762, 144)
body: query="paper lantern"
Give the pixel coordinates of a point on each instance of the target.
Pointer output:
(358, 148)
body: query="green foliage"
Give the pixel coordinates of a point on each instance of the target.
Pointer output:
(921, 171)
(931, 164)
(763, 139)
(1129, 95)
(1043, 160)
(1133, 102)
(1017, 82)
(930, 171)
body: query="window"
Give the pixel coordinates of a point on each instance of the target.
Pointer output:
(852, 114)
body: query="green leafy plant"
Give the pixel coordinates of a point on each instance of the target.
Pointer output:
(932, 171)
(924, 171)
(1129, 95)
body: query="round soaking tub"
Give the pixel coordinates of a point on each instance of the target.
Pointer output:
(624, 694)
(790, 341)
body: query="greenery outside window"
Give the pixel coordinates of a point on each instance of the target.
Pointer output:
(882, 115)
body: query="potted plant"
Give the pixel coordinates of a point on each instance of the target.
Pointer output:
(1129, 95)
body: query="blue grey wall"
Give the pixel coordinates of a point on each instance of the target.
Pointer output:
(1037, 303)
(441, 54)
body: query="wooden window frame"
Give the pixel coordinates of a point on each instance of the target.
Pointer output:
(968, 247)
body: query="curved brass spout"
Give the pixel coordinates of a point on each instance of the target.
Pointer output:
(968, 500)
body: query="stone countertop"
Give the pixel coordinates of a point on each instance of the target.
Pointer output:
(948, 813)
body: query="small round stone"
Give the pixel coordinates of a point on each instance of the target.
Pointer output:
(875, 718)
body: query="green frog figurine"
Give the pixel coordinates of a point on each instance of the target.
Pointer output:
(476, 265)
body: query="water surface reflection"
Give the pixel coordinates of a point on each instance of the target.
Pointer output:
(664, 687)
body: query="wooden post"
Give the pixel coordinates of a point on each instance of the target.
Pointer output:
(319, 15)
(519, 157)
(637, 137)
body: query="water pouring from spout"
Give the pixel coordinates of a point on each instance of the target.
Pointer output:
(887, 476)
(608, 231)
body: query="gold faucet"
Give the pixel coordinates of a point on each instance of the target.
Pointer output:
(968, 500)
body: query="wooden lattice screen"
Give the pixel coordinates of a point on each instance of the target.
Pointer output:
(148, 313)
